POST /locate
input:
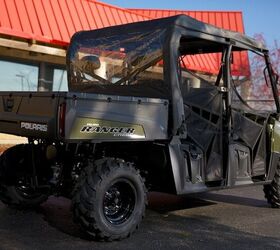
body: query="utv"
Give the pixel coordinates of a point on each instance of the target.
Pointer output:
(138, 116)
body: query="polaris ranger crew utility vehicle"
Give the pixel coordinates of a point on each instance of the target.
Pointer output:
(137, 117)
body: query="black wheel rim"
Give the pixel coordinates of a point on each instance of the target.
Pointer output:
(25, 190)
(119, 202)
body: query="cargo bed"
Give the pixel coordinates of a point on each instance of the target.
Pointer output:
(70, 116)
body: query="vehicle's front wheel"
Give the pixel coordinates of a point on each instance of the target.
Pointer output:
(109, 199)
(272, 191)
(16, 189)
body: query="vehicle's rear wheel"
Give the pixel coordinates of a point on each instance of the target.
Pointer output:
(15, 182)
(272, 191)
(109, 199)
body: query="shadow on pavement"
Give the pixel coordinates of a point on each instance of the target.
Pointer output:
(57, 210)
(163, 203)
(57, 213)
(28, 230)
(232, 199)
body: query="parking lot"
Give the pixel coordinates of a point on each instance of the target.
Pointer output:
(231, 219)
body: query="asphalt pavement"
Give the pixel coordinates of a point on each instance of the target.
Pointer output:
(232, 219)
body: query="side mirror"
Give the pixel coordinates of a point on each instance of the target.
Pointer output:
(89, 64)
(137, 60)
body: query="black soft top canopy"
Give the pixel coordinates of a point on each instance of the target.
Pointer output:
(128, 50)
(182, 22)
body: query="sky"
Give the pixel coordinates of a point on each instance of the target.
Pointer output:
(259, 16)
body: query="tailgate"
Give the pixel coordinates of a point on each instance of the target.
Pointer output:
(115, 118)
(29, 114)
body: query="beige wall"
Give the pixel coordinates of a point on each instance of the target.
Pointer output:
(11, 139)
(7, 141)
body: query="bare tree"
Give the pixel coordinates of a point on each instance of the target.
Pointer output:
(259, 88)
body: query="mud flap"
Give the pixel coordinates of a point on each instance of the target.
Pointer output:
(184, 181)
(239, 170)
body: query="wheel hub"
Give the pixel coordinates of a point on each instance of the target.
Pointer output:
(119, 202)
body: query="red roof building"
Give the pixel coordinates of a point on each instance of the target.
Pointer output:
(55, 21)
(45, 27)
(231, 20)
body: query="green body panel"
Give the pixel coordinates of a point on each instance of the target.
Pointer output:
(90, 129)
(275, 136)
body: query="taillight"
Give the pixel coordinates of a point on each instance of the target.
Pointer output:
(61, 119)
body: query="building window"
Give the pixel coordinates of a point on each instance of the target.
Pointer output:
(60, 80)
(16, 76)
(25, 76)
